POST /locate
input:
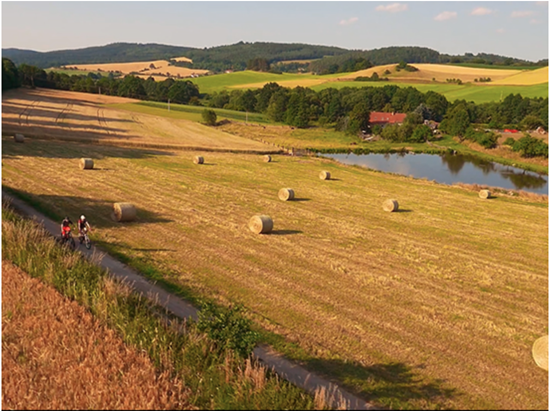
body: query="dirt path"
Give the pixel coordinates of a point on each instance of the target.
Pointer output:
(285, 368)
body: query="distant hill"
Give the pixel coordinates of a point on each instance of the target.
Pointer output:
(236, 56)
(233, 56)
(111, 53)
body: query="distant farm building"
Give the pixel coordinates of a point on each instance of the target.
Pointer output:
(381, 119)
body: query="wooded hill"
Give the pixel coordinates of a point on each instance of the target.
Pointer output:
(236, 56)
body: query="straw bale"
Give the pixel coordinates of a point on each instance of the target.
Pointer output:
(540, 352)
(324, 175)
(260, 224)
(484, 194)
(19, 138)
(86, 163)
(286, 194)
(124, 212)
(198, 160)
(390, 205)
(267, 158)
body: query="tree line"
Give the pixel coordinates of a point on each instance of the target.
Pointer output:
(181, 92)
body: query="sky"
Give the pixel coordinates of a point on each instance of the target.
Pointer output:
(515, 29)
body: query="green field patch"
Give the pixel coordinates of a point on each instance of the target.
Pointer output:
(186, 112)
(476, 93)
(494, 66)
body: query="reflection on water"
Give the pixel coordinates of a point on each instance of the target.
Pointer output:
(450, 169)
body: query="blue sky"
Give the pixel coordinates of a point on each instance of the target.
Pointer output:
(516, 29)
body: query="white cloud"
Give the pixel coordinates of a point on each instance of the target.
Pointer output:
(534, 21)
(393, 8)
(481, 11)
(446, 15)
(500, 31)
(526, 13)
(348, 21)
(542, 3)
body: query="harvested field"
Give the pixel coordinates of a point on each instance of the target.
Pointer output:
(441, 72)
(144, 67)
(55, 355)
(414, 309)
(44, 113)
(182, 59)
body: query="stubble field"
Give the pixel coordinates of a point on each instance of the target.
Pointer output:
(435, 306)
(83, 117)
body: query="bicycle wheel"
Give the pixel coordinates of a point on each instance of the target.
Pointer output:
(87, 242)
(72, 243)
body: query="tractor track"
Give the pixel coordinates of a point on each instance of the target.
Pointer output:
(24, 115)
(101, 120)
(63, 114)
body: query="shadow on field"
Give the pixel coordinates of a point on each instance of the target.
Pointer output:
(404, 211)
(98, 212)
(394, 383)
(301, 199)
(76, 150)
(153, 249)
(285, 232)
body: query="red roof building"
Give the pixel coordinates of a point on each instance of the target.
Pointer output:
(381, 118)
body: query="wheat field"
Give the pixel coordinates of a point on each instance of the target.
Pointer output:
(55, 355)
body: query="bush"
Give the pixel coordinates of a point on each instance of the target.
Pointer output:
(421, 134)
(209, 117)
(531, 147)
(228, 328)
(509, 142)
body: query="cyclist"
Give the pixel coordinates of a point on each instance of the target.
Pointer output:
(83, 226)
(66, 227)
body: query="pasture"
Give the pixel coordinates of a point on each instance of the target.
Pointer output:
(412, 309)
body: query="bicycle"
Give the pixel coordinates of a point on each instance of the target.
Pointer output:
(67, 239)
(83, 238)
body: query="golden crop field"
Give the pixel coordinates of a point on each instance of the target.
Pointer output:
(528, 77)
(82, 117)
(55, 355)
(183, 59)
(439, 72)
(161, 67)
(434, 306)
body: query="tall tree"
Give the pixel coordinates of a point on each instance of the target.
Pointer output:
(10, 75)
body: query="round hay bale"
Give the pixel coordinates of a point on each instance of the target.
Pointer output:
(260, 224)
(86, 163)
(324, 175)
(484, 194)
(540, 352)
(19, 138)
(286, 194)
(267, 158)
(198, 160)
(124, 212)
(390, 205)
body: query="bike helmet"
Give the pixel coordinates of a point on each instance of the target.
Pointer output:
(82, 217)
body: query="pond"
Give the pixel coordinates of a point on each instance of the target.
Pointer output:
(450, 169)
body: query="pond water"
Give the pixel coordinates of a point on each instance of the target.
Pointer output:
(450, 169)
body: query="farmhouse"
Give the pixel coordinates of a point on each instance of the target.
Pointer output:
(382, 119)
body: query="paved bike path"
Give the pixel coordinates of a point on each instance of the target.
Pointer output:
(285, 368)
